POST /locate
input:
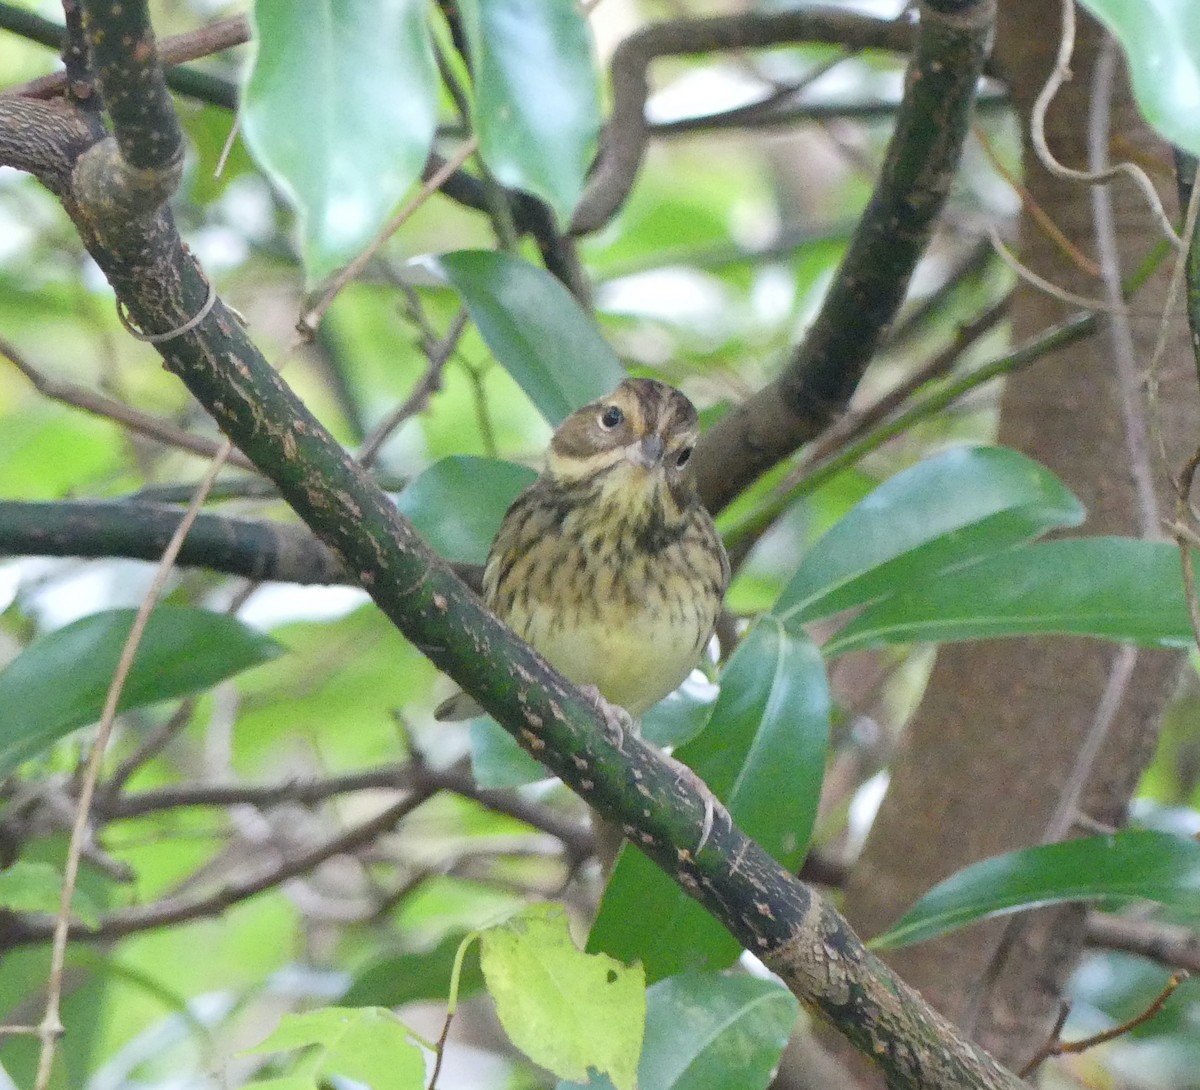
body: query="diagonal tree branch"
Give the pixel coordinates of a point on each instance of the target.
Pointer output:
(817, 382)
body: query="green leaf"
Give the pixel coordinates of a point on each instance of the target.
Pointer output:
(566, 1010)
(710, 1031)
(392, 980)
(534, 328)
(26, 886)
(366, 1043)
(457, 504)
(679, 717)
(644, 917)
(497, 759)
(339, 110)
(537, 97)
(46, 450)
(1163, 51)
(763, 755)
(1131, 865)
(60, 681)
(1111, 587)
(956, 507)
(763, 751)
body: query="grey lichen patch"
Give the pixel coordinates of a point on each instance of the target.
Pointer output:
(534, 742)
(348, 502)
(523, 674)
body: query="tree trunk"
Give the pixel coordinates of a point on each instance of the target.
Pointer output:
(1004, 727)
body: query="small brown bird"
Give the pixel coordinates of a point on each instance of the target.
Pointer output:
(608, 564)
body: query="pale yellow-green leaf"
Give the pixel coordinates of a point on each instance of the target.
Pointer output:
(566, 1010)
(367, 1044)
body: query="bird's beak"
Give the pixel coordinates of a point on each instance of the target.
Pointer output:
(649, 451)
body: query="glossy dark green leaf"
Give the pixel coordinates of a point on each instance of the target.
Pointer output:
(534, 328)
(763, 755)
(711, 1031)
(1110, 587)
(537, 99)
(339, 109)
(681, 716)
(644, 917)
(457, 504)
(1162, 48)
(953, 508)
(391, 980)
(763, 750)
(1131, 865)
(59, 682)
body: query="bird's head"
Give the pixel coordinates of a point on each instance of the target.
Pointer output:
(634, 444)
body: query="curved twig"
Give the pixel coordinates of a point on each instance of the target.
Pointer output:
(624, 141)
(1037, 134)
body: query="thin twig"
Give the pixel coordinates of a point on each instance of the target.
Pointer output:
(312, 317)
(1052, 1040)
(1183, 480)
(438, 354)
(1120, 332)
(1025, 273)
(150, 746)
(1055, 1047)
(1035, 211)
(1037, 134)
(178, 49)
(51, 1026)
(408, 776)
(176, 910)
(854, 424)
(153, 427)
(739, 536)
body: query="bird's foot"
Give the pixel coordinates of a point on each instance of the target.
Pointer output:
(617, 720)
(710, 801)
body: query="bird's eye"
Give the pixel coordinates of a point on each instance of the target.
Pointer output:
(611, 417)
(681, 459)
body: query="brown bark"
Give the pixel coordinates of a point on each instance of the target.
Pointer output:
(993, 748)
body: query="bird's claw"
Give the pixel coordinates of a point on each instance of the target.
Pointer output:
(617, 720)
(691, 777)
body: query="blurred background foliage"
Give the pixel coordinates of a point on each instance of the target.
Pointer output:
(711, 270)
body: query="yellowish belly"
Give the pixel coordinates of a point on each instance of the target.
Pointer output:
(634, 661)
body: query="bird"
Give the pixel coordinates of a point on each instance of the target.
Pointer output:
(609, 564)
